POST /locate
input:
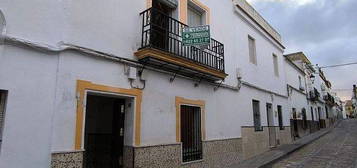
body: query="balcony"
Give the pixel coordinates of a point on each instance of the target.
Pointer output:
(314, 95)
(330, 100)
(162, 48)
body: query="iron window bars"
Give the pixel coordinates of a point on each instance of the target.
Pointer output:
(191, 133)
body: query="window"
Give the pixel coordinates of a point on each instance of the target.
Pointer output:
(326, 109)
(191, 133)
(312, 114)
(195, 16)
(276, 65)
(280, 117)
(252, 50)
(3, 96)
(300, 83)
(256, 116)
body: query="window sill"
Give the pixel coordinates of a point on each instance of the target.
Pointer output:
(192, 162)
(259, 130)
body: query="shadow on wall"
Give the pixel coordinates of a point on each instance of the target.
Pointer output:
(2, 27)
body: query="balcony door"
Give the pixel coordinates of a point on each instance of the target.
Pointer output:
(160, 22)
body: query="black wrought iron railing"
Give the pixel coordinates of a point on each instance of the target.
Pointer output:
(164, 33)
(329, 98)
(314, 95)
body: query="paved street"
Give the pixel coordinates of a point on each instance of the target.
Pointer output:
(338, 149)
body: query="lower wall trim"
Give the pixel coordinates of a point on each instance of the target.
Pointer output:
(216, 154)
(73, 159)
(257, 142)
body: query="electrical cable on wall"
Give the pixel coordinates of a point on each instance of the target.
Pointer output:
(339, 65)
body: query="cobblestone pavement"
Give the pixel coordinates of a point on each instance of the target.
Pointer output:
(338, 149)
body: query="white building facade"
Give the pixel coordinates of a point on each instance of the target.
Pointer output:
(321, 107)
(87, 81)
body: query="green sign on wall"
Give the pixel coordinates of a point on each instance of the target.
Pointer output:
(196, 36)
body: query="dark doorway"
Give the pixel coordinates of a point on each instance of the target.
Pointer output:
(295, 124)
(280, 117)
(304, 119)
(319, 115)
(104, 132)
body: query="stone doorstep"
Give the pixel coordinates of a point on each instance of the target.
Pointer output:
(266, 159)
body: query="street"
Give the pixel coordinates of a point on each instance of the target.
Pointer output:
(337, 149)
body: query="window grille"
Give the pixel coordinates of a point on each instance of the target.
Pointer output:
(191, 133)
(256, 116)
(280, 116)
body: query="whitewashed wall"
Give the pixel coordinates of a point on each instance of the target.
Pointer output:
(30, 78)
(297, 100)
(41, 107)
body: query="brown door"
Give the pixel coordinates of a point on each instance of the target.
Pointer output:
(295, 124)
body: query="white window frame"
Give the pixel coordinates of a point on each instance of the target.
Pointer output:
(196, 9)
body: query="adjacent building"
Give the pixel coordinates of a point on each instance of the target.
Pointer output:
(312, 103)
(93, 84)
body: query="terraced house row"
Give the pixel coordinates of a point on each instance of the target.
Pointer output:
(111, 83)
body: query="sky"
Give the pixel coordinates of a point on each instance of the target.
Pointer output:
(325, 30)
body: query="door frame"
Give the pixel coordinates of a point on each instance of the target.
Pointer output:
(85, 87)
(271, 125)
(268, 115)
(122, 98)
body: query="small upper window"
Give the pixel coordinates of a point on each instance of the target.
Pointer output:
(252, 50)
(276, 65)
(195, 15)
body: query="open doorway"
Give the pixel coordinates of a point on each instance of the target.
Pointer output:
(104, 132)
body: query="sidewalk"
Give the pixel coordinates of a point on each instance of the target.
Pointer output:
(266, 158)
